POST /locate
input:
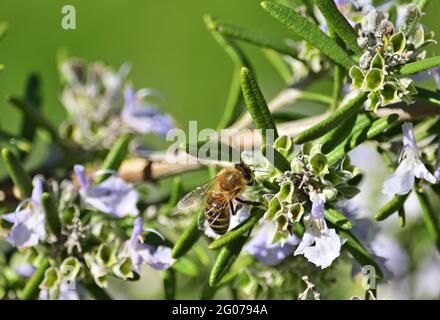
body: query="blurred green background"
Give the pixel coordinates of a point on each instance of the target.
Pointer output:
(165, 41)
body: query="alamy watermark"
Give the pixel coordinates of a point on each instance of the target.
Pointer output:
(68, 20)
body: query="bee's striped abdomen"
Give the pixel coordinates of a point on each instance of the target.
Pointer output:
(217, 212)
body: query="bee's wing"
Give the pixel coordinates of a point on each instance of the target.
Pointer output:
(194, 199)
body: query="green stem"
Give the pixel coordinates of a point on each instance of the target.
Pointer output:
(389, 208)
(30, 291)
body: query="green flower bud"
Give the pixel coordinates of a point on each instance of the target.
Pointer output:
(318, 164)
(411, 19)
(70, 268)
(297, 166)
(373, 80)
(275, 206)
(106, 255)
(286, 192)
(51, 279)
(295, 212)
(378, 63)
(123, 269)
(398, 43)
(283, 145)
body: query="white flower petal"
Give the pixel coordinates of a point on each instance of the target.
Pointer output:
(401, 181)
(421, 172)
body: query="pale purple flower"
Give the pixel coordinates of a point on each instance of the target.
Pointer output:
(28, 219)
(410, 167)
(320, 245)
(67, 291)
(140, 253)
(143, 117)
(112, 196)
(267, 252)
(25, 270)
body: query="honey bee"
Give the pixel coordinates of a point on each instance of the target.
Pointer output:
(217, 195)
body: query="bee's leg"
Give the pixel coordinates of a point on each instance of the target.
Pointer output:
(231, 205)
(249, 203)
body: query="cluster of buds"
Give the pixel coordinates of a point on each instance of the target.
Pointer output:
(386, 51)
(102, 105)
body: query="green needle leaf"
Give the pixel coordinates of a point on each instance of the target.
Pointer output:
(337, 22)
(428, 95)
(169, 284)
(225, 259)
(30, 291)
(255, 37)
(420, 66)
(389, 208)
(430, 217)
(34, 115)
(308, 31)
(212, 150)
(256, 104)
(361, 134)
(51, 211)
(338, 219)
(345, 112)
(238, 231)
(115, 156)
(33, 98)
(188, 238)
(17, 173)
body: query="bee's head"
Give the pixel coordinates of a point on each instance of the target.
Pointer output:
(246, 172)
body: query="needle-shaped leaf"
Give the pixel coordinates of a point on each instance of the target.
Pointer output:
(188, 238)
(213, 150)
(115, 156)
(361, 134)
(309, 32)
(186, 266)
(31, 289)
(328, 124)
(254, 37)
(51, 212)
(256, 104)
(390, 207)
(225, 259)
(33, 98)
(34, 115)
(17, 173)
(339, 24)
(337, 135)
(421, 65)
(338, 219)
(238, 231)
(430, 218)
(429, 96)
